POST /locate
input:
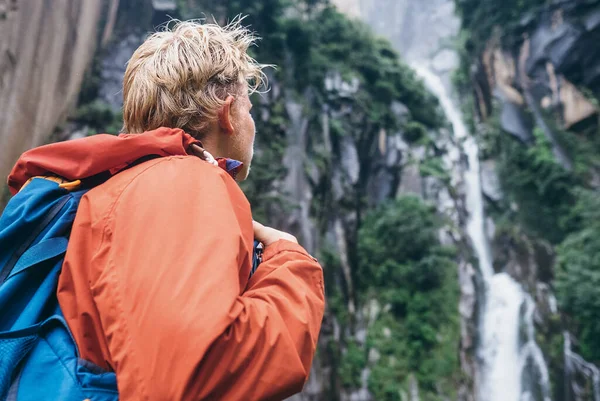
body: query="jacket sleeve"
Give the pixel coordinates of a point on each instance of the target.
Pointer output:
(181, 320)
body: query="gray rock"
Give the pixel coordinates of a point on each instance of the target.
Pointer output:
(514, 121)
(554, 43)
(114, 63)
(374, 356)
(569, 45)
(337, 188)
(591, 21)
(393, 154)
(411, 181)
(335, 83)
(400, 110)
(539, 41)
(560, 49)
(490, 184)
(591, 75)
(349, 159)
(379, 187)
(490, 229)
(361, 336)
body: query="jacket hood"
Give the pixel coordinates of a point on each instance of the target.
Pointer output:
(87, 157)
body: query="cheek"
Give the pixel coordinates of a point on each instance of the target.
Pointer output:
(251, 129)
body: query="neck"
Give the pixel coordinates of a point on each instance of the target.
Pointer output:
(211, 143)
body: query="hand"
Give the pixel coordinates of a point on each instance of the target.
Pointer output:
(268, 235)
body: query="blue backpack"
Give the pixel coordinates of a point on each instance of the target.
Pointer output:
(39, 359)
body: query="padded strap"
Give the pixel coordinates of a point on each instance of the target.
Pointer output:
(44, 250)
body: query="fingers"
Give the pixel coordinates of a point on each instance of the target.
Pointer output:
(259, 231)
(268, 235)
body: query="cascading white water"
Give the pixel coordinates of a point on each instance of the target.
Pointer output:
(503, 358)
(574, 362)
(532, 352)
(511, 366)
(499, 348)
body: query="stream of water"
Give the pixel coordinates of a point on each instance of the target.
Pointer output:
(502, 353)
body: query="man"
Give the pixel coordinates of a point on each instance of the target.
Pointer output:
(155, 284)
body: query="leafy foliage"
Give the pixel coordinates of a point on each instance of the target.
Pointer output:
(414, 132)
(403, 265)
(99, 116)
(329, 64)
(542, 198)
(541, 187)
(578, 278)
(480, 17)
(557, 205)
(434, 167)
(335, 43)
(326, 61)
(352, 364)
(267, 167)
(312, 43)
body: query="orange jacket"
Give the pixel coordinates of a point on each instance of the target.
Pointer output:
(155, 281)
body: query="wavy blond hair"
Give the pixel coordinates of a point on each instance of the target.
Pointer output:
(180, 77)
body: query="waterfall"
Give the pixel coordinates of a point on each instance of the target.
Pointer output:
(531, 353)
(510, 365)
(503, 359)
(499, 348)
(574, 364)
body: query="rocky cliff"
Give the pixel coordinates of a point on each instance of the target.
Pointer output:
(444, 172)
(45, 49)
(528, 87)
(351, 149)
(529, 77)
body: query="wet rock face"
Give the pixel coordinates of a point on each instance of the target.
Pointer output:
(558, 54)
(529, 261)
(567, 35)
(514, 121)
(490, 183)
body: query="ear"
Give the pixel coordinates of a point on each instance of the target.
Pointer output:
(225, 115)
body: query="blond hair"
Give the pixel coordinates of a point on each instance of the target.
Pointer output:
(180, 77)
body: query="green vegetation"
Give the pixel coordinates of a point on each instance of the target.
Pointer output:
(414, 132)
(557, 206)
(481, 18)
(542, 199)
(353, 362)
(310, 42)
(330, 65)
(99, 117)
(541, 187)
(578, 278)
(267, 165)
(336, 44)
(403, 266)
(326, 61)
(434, 167)
(92, 112)
(560, 207)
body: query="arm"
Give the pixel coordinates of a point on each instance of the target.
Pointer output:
(271, 343)
(178, 322)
